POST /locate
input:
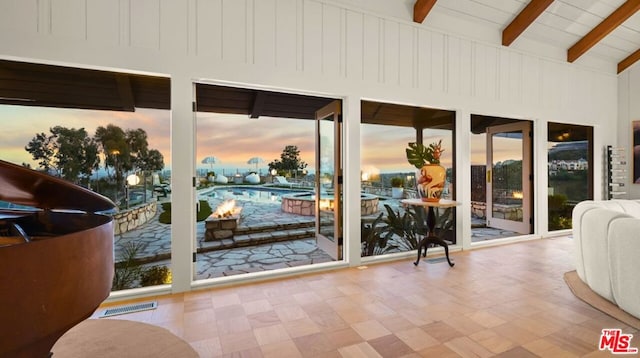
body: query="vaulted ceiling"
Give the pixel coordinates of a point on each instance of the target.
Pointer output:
(605, 30)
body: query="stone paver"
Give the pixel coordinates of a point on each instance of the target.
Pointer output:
(154, 240)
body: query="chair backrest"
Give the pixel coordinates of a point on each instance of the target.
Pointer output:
(280, 179)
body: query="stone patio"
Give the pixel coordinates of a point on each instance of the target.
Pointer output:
(267, 238)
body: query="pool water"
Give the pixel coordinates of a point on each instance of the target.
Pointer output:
(253, 193)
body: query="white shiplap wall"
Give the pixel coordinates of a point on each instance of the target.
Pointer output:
(299, 37)
(629, 104)
(338, 48)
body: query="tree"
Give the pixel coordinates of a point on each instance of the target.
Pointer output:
(76, 153)
(138, 145)
(41, 150)
(68, 151)
(149, 161)
(113, 144)
(289, 160)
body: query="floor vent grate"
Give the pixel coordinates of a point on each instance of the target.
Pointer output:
(135, 307)
(436, 260)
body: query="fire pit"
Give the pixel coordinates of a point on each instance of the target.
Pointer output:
(223, 222)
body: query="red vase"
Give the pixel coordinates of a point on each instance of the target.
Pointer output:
(430, 182)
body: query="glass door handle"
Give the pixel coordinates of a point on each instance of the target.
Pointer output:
(488, 176)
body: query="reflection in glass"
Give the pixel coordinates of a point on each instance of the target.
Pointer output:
(507, 175)
(570, 171)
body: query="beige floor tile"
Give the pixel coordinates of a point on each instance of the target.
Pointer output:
(284, 349)
(207, 348)
(360, 350)
(493, 341)
(305, 298)
(545, 348)
(230, 311)
(354, 315)
(486, 319)
(301, 327)
(507, 300)
(238, 342)
(396, 323)
(199, 332)
(225, 299)
(257, 306)
(329, 321)
(317, 344)
(370, 329)
(290, 313)
(439, 351)
(417, 338)
(390, 346)
(271, 334)
(233, 325)
(263, 319)
(343, 337)
(441, 331)
(466, 347)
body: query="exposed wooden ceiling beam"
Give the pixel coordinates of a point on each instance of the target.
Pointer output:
(125, 92)
(258, 104)
(609, 24)
(630, 60)
(421, 9)
(525, 18)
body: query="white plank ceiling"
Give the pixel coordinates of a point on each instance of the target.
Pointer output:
(560, 26)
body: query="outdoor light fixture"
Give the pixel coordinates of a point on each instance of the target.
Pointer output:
(133, 180)
(274, 172)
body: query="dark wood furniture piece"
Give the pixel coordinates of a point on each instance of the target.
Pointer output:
(56, 259)
(430, 237)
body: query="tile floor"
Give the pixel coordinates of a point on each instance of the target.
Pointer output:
(505, 301)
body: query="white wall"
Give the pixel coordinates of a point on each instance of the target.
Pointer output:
(629, 110)
(323, 47)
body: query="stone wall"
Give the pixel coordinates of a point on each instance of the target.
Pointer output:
(507, 212)
(479, 209)
(306, 206)
(129, 219)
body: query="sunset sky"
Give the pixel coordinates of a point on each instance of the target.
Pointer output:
(233, 139)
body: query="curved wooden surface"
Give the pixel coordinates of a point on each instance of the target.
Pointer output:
(117, 338)
(50, 284)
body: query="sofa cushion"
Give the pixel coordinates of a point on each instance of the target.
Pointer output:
(624, 263)
(577, 223)
(629, 207)
(595, 249)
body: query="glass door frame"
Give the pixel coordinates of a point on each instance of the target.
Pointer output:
(335, 248)
(526, 225)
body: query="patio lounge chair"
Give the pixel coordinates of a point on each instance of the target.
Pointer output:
(280, 180)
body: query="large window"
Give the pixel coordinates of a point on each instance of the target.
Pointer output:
(570, 164)
(501, 182)
(257, 189)
(124, 156)
(105, 131)
(387, 177)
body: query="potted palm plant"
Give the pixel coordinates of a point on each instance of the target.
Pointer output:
(431, 176)
(397, 188)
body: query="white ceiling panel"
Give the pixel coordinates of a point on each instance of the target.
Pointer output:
(612, 54)
(561, 25)
(564, 24)
(632, 24)
(478, 9)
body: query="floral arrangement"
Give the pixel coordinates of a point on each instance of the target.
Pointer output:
(419, 155)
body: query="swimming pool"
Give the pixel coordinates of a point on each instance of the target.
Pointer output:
(253, 193)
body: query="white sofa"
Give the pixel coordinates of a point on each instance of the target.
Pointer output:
(607, 250)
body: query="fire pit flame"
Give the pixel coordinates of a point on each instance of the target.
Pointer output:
(227, 209)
